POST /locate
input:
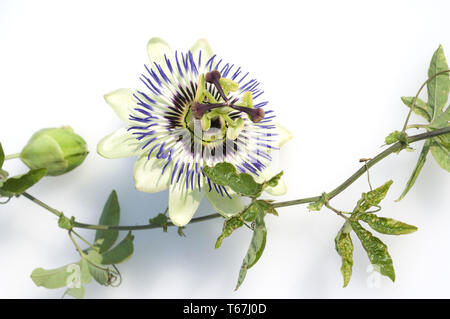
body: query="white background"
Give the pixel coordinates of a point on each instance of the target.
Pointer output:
(333, 70)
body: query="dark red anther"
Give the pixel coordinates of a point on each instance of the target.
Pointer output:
(198, 109)
(214, 77)
(255, 115)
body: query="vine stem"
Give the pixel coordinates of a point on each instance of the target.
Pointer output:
(394, 148)
(11, 156)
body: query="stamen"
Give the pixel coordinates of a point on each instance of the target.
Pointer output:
(214, 77)
(255, 115)
(199, 109)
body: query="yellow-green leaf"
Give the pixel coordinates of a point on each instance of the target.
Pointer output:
(441, 154)
(387, 226)
(120, 253)
(344, 247)
(230, 225)
(417, 169)
(420, 107)
(374, 197)
(376, 250)
(439, 87)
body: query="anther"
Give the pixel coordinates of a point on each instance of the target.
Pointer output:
(214, 77)
(255, 115)
(199, 109)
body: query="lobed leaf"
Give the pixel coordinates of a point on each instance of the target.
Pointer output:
(225, 174)
(417, 169)
(420, 107)
(344, 247)
(374, 197)
(105, 239)
(387, 226)
(255, 250)
(439, 87)
(440, 153)
(376, 250)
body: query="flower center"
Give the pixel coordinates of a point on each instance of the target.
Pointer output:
(219, 117)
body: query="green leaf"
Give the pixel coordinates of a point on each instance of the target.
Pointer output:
(120, 253)
(97, 271)
(441, 154)
(373, 198)
(160, 220)
(317, 205)
(230, 225)
(257, 245)
(376, 250)
(105, 239)
(75, 292)
(2, 156)
(396, 136)
(256, 208)
(420, 107)
(387, 226)
(417, 169)
(274, 180)
(344, 247)
(225, 174)
(62, 276)
(16, 185)
(439, 87)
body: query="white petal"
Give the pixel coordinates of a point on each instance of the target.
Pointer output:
(122, 102)
(284, 135)
(148, 174)
(223, 204)
(266, 175)
(156, 49)
(202, 45)
(121, 143)
(183, 203)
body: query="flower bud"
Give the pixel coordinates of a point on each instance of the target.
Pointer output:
(58, 149)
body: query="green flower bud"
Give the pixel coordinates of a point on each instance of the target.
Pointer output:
(58, 149)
